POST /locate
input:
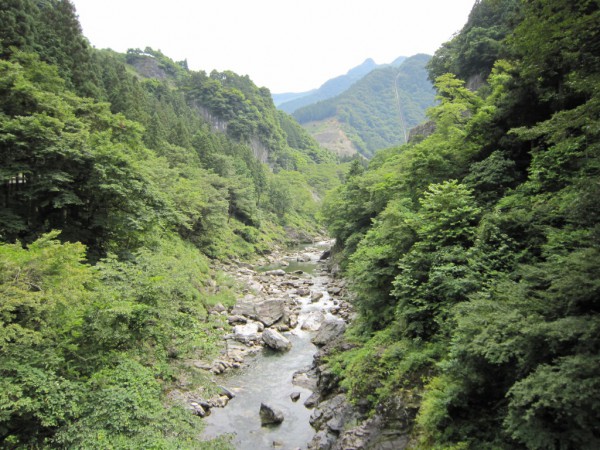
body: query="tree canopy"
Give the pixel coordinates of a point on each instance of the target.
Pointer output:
(473, 251)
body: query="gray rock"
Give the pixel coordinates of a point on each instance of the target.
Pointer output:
(270, 414)
(323, 440)
(276, 272)
(202, 365)
(313, 321)
(269, 311)
(316, 296)
(247, 334)
(328, 331)
(372, 433)
(312, 401)
(334, 290)
(197, 409)
(307, 380)
(245, 306)
(237, 319)
(276, 341)
(326, 254)
(295, 396)
(336, 407)
(218, 308)
(219, 402)
(226, 392)
(303, 292)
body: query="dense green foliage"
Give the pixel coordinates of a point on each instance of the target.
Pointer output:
(379, 109)
(472, 53)
(474, 253)
(121, 176)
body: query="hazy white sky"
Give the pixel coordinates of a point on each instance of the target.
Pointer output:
(285, 45)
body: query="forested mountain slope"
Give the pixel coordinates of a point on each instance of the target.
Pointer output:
(378, 110)
(121, 176)
(474, 252)
(330, 88)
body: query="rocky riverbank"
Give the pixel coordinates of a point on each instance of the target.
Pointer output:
(272, 308)
(268, 309)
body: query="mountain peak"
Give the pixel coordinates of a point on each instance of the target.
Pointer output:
(364, 68)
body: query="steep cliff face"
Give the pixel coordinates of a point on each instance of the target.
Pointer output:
(148, 67)
(216, 122)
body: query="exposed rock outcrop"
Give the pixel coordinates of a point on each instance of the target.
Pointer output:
(270, 415)
(329, 330)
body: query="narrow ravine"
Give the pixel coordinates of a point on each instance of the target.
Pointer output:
(278, 378)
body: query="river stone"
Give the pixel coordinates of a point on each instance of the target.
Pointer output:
(307, 380)
(302, 292)
(276, 341)
(244, 306)
(269, 311)
(304, 258)
(316, 296)
(328, 331)
(326, 254)
(255, 286)
(236, 319)
(312, 401)
(334, 290)
(197, 409)
(313, 321)
(295, 396)
(219, 308)
(248, 333)
(226, 392)
(276, 272)
(270, 414)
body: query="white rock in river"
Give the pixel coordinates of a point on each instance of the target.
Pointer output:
(276, 340)
(313, 321)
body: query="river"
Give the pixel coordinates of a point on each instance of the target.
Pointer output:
(267, 377)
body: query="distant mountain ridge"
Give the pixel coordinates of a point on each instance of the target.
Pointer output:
(290, 102)
(376, 112)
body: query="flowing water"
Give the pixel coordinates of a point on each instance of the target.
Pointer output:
(268, 378)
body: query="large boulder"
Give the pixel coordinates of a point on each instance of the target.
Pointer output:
(276, 340)
(326, 254)
(244, 306)
(313, 321)
(269, 311)
(328, 331)
(248, 333)
(306, 379)
(270, 415)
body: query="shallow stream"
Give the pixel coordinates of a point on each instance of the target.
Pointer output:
(268, 378)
